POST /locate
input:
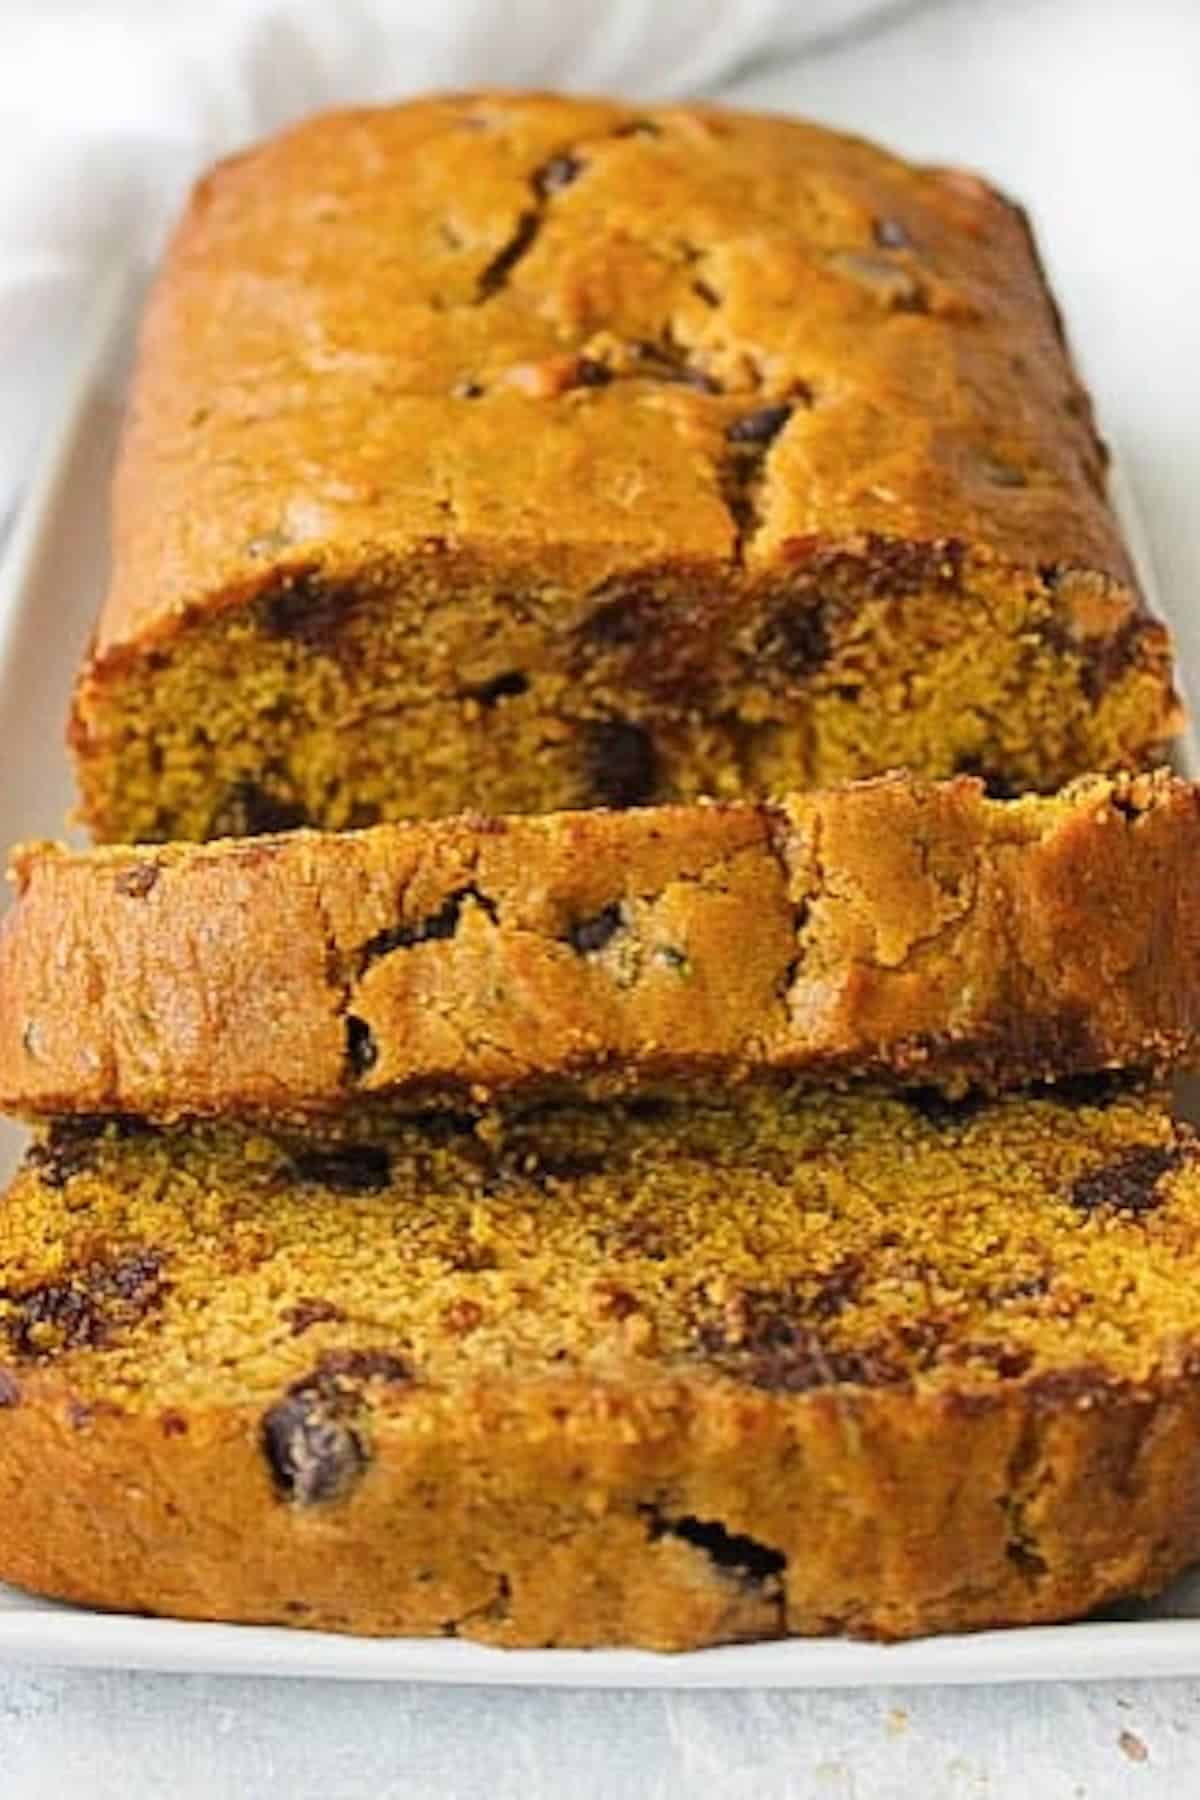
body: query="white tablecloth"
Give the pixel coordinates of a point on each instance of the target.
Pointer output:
(1089, 109)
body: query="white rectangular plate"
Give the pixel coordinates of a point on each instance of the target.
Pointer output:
(50, 585)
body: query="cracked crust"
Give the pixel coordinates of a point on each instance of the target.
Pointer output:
(894, 928)
(920, 1370)
(468, 431)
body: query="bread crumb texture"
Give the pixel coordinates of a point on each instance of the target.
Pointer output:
(638, 1373)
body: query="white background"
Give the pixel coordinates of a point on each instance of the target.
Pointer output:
(1090, 111)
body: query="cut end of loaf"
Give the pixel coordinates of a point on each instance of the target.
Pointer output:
(412, 692)
(646, 1374)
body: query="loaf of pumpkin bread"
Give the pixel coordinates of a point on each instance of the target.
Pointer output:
(560, 453)
(634, 1374)
(892, 928)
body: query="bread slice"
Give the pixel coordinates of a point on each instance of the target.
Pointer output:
(895, 928)
(640, 1374)
(560, 453)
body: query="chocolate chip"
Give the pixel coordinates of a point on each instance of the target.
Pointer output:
(345, 1168)
(541, 1165)
(732, 1551)
(308, 611)
(797, 639)
(703, 291)
(590, 935)
(890, 234)
(72, 1144)
(589, 372)
(86, 1305)
(68, 1148)
(899, 566)
(362, 1052)
(1127, 1184)
(621, 619)
(836, 1290)
(137, 881)
(556, 174)
(621, 763)
(313, 1457)
(1123, 802)
(250, 811)
(805, 1365)
(650, 1108)
(131, 1275)
(308, 1437)
(940, 1110)
(1101, 1089)
(10, 1391)
(337, 1367)
(995, 786)
(766, 1338)
(760, 427)
(441, 1125)
(467, 390)
(499, 687)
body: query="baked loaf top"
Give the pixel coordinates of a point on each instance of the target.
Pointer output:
(641, 1373)
(556, 453)
(893, 928)
(554, 330)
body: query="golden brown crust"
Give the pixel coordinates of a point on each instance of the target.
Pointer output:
(272, 297)
(531, 1520)
(569, 1405)
(707, 404)
(893, 928)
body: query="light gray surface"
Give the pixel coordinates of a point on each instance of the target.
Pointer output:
(113, 1737)
(1088, 109)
